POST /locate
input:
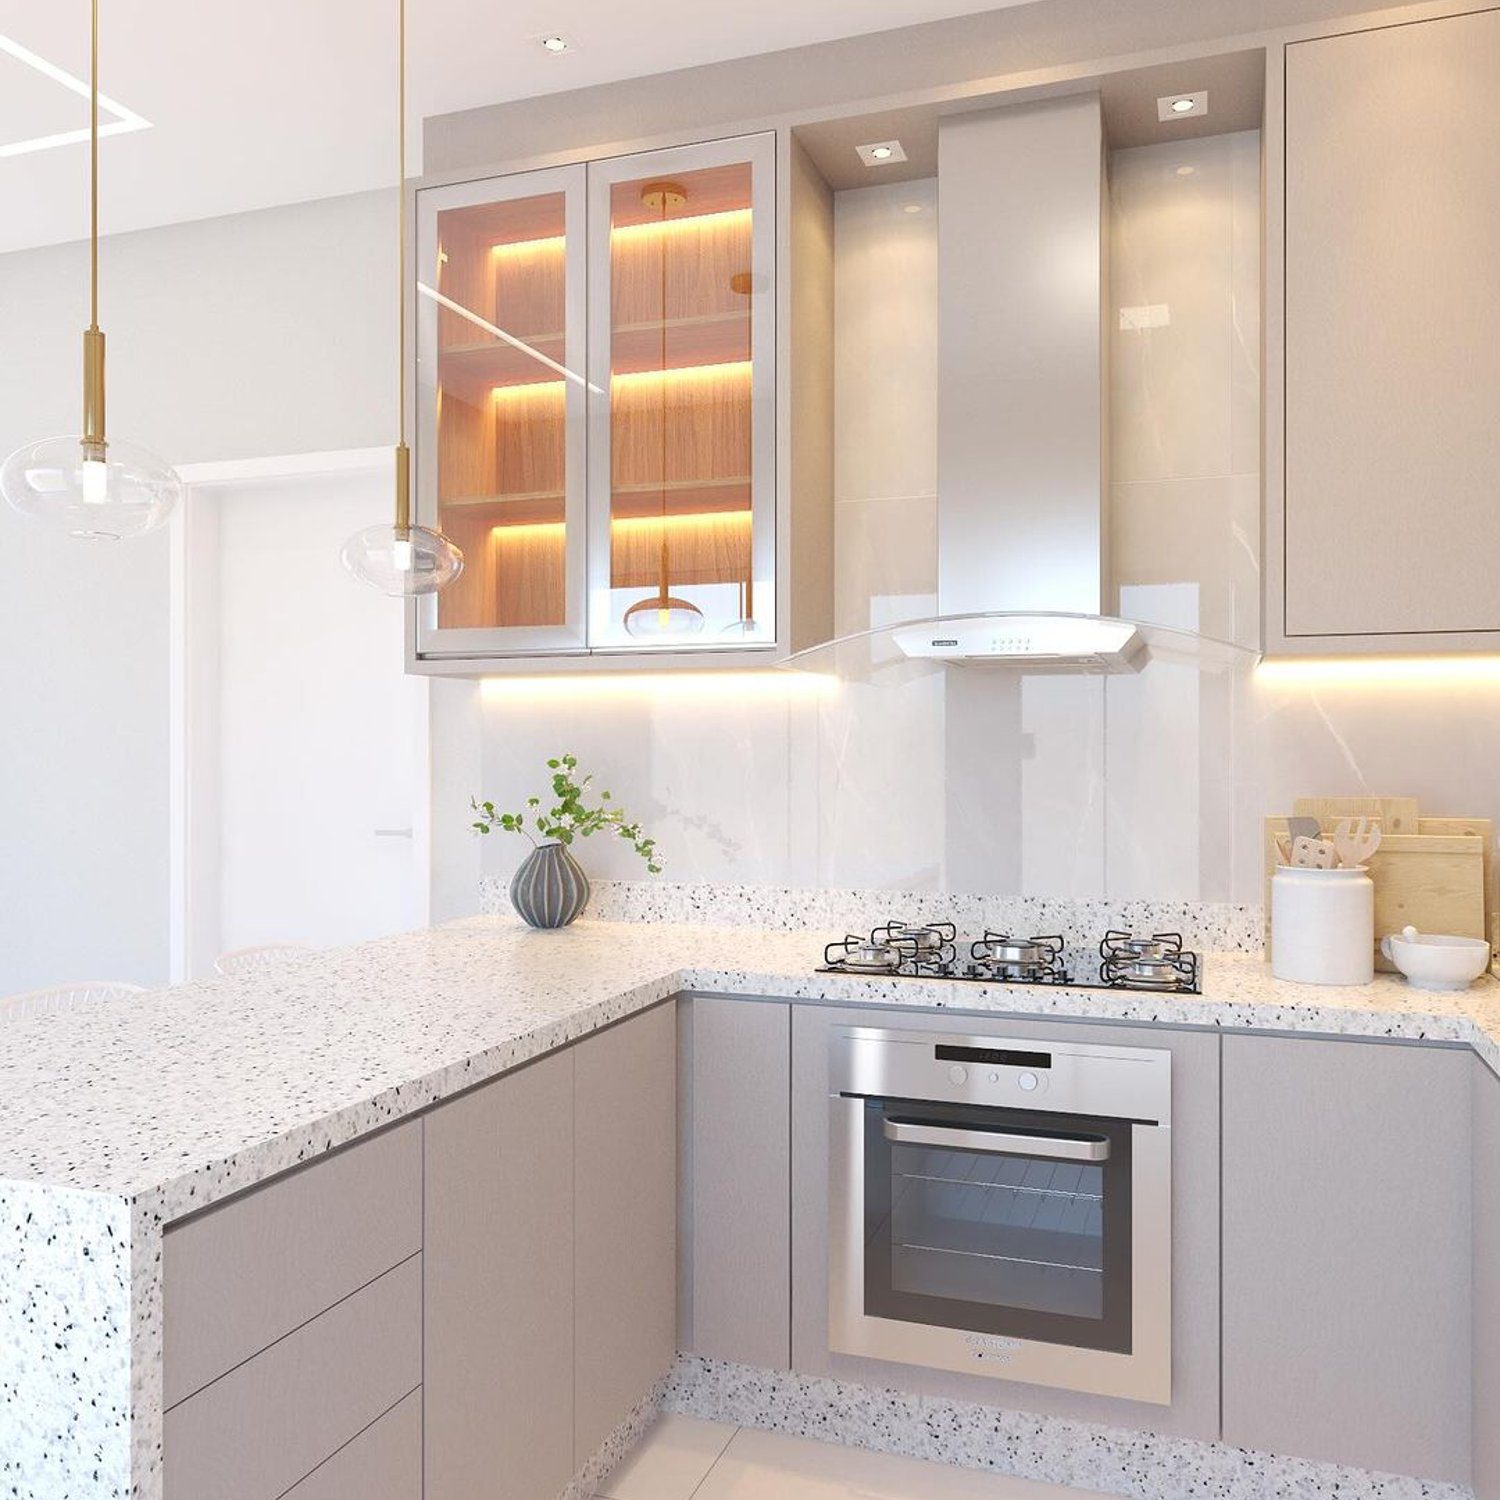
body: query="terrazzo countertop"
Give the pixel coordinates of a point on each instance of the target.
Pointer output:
(193, 1092)
(116, 1120)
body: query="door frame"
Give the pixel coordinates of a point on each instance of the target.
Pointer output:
(193, 681)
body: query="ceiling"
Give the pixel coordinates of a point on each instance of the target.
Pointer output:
(286, 100)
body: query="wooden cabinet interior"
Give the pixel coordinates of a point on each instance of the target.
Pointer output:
(681, 287)
(501, 412)
(679, 388)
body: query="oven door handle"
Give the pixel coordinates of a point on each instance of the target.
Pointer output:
(1006, 1143)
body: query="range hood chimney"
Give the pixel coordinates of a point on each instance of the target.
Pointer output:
(1022, 364)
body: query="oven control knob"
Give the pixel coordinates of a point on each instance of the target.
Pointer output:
(958, 1074)
(1026, 1082)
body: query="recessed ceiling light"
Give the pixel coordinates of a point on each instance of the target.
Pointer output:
(1182, 106)
(881, 153)
(1186, 171)
(555, 43)
(911, 208)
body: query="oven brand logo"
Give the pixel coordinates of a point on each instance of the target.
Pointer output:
(1000, 1351)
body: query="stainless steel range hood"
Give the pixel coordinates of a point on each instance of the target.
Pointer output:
(1022, 364)
(1023, 579)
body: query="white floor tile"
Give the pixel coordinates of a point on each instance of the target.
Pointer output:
(671, 1460)
(772, 1466)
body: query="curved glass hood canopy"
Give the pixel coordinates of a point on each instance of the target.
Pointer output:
(1030, 642)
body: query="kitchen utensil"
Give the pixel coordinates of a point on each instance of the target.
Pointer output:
(1355, 839)
(1433, 962)
(1313, 854)
(1304, 828)
(1323, 926)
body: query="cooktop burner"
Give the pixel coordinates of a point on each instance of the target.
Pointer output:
(933, 950)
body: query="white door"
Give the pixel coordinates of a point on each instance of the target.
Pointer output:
(305, 750)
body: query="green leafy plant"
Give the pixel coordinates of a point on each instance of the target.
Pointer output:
(571, 818)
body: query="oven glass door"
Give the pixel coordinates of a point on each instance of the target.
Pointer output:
(998, 1221)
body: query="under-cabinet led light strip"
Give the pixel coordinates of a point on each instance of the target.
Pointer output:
(736, 686)
(1353, 670)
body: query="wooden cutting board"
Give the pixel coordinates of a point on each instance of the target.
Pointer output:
(1433, 881)
(1396, 814)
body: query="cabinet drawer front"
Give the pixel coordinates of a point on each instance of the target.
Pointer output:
(383, 1463)
(239, 1277)
(253, 1434)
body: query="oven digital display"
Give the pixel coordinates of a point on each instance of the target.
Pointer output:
(994, 1056)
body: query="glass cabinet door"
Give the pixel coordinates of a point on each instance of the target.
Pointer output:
(682, 398)
(502, 415)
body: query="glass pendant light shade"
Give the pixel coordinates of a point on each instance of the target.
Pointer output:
(110, 491)
(661, 616)
(402, 561)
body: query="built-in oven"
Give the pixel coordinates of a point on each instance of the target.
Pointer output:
(1003, 1207)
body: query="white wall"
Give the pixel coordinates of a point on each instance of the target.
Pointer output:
(264, 333)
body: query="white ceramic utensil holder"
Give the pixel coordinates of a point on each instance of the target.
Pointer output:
(1323, 926)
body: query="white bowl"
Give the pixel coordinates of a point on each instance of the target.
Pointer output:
(1436, 963)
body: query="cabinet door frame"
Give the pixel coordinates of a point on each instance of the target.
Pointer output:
(430, 639)
(1278, 638)
(759, 151)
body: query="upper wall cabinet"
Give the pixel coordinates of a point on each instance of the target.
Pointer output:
(1389, 524)
(597, 427)
(501, 458)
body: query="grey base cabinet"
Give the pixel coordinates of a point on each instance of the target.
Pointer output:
(292, 1331)
(1346, 1253)
(550, 1253)
(499, 1294)
(734, 1192)
(1486, 1271)
(625, 1221)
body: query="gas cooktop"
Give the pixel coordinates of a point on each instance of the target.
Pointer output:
(934, 950)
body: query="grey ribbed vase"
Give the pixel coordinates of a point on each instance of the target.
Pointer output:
(550, 889)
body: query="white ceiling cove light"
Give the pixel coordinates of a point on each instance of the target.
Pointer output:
(881, 153)
(1182, 106)
(124, 121)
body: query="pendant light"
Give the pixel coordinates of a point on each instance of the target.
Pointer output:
(89, 485)
(402, 560)
(664, 615)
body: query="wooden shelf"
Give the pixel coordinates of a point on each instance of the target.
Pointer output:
(686, 497)
(471, 371)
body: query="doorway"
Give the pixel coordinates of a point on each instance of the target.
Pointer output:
(300, 751)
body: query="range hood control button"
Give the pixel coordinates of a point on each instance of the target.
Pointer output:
(958, 1074)
(1026, 1082)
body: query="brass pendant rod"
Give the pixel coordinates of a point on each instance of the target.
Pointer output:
(94, 165)
(93, 338)
(403, 453)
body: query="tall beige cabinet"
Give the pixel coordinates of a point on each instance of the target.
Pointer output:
(1386, 534)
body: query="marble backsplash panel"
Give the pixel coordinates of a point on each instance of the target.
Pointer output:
(1212, 927)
